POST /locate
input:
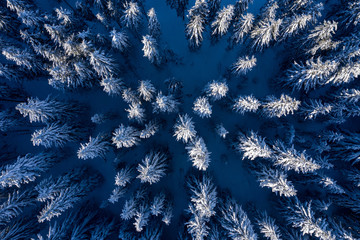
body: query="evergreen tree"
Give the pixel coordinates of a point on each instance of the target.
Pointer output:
(150, 129)
(26, 169)
(136, 112)
(311, 74)
(119, 40)
(158, 204)
(223, 21)
(277, 181)
(130, 96)
(301, 216)
(151, 50)
(96, 147)
(242, 27)
(13, 206)
(244, 64)
(314, 108)
(45, 111)
(320, 37)
(204, 196)
(198, 154)
(291, 159)
(23, 58)
(184, 129)
(296, 23)
(194, 31)
(244, 104)
(221, 131)
(129, 209)
(146, 90)
(125, 136)
(124, 176)
(268, 227)
(265, 32)
(165, 103)
(53, 134)
(112, 86)
(202, 107)
(8, 120)
(280, 107)
(152, 168)
(235, 222)
(153, 25)
(101, 63)
(142, 216)
(216, 89)
(132, 15)
(253, 146)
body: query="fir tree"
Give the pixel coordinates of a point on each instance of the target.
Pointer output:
(116, 194)
(124, 176)
(216, 89)
(243, 65)
(167, 214)
(53, 134)
(314, 108)
(296, 23)
(102, 64)
(13, 206)
(8, 120)
(204, 196)
(26, 169)
(198, 154)
(310, 75)
(291, 159)
(136, 112)
(45, 111)
(119, 40)
(150, 129)
(153, 25)
(321, 35)
(158, 204)
(235, 222)
(112, 86)
(253, 146)
(125, 136)
(130, 96)
(331, 185)
(67, 197)
(244, 104)
(96, 147)
(129, 209)
(146, 90)
(184, 129)
(242, 27)
(132, 15)
(265, 32)
(223, 21)
(152, 168)
(151, 50)
(277, 181)
(23, 58)
(280, 107)
(196, 225)
(221, 131)
(196, 26)
(202, 107)
(141, 217)
(268, 227)
(301, 216)
(165, 103)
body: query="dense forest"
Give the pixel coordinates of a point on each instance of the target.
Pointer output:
(178, 119)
